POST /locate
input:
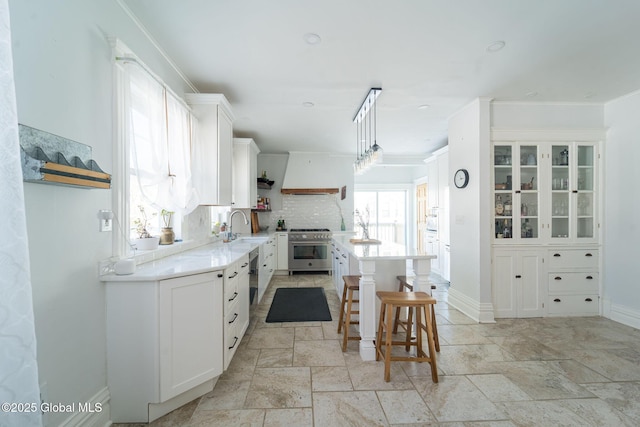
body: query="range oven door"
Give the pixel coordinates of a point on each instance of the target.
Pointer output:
(309, 256)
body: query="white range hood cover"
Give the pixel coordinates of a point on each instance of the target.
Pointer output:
(309, 173)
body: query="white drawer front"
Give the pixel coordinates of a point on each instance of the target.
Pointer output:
(231, 341)
(578, 305)
(232, 315)
(582, 283)
(231, 299)
(574, 258)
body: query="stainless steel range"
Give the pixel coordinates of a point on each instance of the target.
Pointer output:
(309, 249)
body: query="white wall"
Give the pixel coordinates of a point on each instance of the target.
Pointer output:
(621, 208)
(468, 219)
(63, 74)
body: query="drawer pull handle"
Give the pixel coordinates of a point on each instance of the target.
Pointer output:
(557, 278)
(244, 265)
(589, 277)
(235, 273)
(588, 254)
(235, 294)
(588, 300)
(557, 300)
(235, 316)
(518, 276)
(235, 341)
(220, 275)
(556, 255)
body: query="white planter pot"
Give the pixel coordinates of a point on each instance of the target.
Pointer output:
(148, 244)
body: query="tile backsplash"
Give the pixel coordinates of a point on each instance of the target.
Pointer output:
(309, 211)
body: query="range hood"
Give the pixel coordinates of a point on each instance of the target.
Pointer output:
(309, 173)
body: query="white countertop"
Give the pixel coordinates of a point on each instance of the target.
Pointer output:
(203, 259)
(384, 250)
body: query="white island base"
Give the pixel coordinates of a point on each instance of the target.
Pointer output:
(379, 265)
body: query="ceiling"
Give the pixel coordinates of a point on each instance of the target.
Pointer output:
(430, 53)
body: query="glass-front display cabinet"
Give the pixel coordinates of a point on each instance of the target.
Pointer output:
(545, 192)
(573, 189)
(516, 176)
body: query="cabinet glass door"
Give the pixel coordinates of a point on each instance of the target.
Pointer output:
(585, 209)
(560, 191)
(529, 195)
(503, 197)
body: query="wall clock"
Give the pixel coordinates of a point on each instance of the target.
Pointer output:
(461, 178)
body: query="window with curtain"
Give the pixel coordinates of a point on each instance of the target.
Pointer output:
(157, 135)
(387, 212)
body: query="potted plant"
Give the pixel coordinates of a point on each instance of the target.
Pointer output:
(145, 240)
(168, 236)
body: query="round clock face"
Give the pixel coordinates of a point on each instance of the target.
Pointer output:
(461, 178)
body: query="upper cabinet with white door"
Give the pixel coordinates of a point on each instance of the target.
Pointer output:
(212, 148)
(245, 173)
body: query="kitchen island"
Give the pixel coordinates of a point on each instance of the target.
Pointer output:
(379, 265)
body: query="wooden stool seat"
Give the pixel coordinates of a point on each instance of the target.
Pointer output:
(403, 284)
(351, 285)
(419, 302)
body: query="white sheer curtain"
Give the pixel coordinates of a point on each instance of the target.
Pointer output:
(181, 195)
(145, 120)
(18, 365)
(159, 136)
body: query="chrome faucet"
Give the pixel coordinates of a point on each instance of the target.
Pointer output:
(230, 220)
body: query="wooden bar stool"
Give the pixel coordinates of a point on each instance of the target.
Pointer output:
(351, 285)
(403, 284)
(419, 302)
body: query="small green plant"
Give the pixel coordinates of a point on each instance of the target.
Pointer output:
(166, 217)
(142, 222)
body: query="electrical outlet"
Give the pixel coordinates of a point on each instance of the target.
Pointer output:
(106, 225)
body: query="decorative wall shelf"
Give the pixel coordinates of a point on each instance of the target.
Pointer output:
(265, 184)
(51, 159)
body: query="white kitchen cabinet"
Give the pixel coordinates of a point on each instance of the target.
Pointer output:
(212, 148)
(545, 193)
(438, 209)
(245, 173)
(573, 282)
(267, 260)
(282, 259)
(236, 306)
(343, 264)
(545, 198)
(517, 290)
(163, 343)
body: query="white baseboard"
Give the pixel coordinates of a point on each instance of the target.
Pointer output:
(480, 312)
(96, 412)
(621, 314)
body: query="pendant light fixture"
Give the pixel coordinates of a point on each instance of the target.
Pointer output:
(368, 152)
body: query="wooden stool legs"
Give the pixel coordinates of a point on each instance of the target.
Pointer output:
(403, 284)
(351, 285)
(419, 302)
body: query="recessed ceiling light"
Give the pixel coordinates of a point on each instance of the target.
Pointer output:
(531, 94)
(312, 38)
(496, 46)
(424, 106)
(308, 104)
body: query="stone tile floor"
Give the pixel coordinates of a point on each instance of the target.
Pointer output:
(515, 372)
